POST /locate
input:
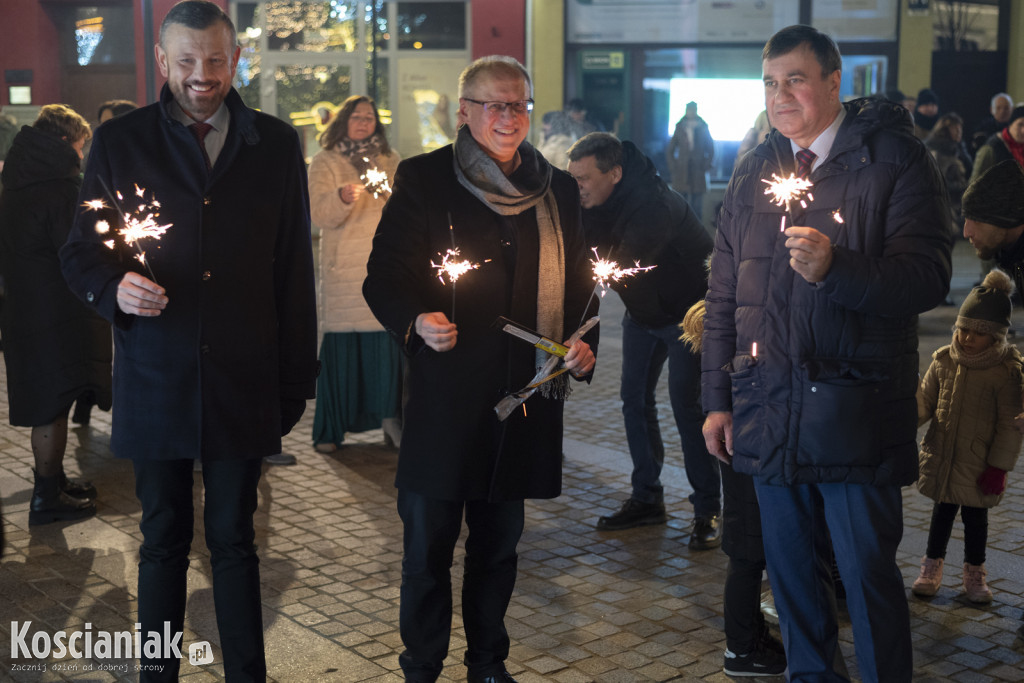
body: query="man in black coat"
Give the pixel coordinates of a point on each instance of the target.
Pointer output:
(494, 198)
(216, 336)
(631, 216)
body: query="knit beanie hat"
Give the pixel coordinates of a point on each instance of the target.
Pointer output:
(997, 197)
(987, 308)
(1017, 113)
(927, 96)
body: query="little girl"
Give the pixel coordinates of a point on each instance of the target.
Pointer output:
(971, 392)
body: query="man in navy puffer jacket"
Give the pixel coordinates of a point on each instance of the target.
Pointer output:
(810, 361)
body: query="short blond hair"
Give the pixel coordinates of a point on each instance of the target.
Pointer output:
(63, 122)
(496, 66)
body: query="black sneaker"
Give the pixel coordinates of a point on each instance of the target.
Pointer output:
(760, 662)
(707, 533)
(633, 514)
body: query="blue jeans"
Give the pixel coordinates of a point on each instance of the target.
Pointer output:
(866, 525)
(644, 352)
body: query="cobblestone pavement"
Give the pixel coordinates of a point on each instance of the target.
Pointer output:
(588, 606)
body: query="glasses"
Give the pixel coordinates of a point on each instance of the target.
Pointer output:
(498, 108)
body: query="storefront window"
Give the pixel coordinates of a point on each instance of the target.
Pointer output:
(431, 25)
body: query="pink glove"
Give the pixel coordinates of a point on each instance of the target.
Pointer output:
(992, 481)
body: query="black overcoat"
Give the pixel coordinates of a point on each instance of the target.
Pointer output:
(206, 377)
(56, 348)
(453, 446)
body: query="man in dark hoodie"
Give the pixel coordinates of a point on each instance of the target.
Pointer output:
(810, 363)
(632, 217)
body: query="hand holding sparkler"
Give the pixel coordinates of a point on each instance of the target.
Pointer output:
(437, 332)
(810, 252)
(138, 295)
(350, 193)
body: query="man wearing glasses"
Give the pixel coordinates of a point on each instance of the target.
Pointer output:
(492, 197)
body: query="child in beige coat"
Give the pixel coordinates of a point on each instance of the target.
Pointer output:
(971, 393)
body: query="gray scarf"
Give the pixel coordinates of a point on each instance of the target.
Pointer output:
(478, 173)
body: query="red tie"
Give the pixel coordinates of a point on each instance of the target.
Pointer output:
(199, 131)
(804, 160)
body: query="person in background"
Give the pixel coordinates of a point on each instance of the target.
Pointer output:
(1008, 143)
(755, 136)
(114, 108)
(493, 197)
(945, 143)
(926, 112)
(580, 121)
(971, 393)
(809, 357)
(360, 382)
(557, 137)
(631, 216)
(690, 153)
(750, 648)
(56, 349)
(215, 338)
(1000, 108)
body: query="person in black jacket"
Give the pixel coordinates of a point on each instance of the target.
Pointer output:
(56, 349)
(631, 216)
(216, 337)
(493, 197)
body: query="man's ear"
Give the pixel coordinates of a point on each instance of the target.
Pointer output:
(616, 174)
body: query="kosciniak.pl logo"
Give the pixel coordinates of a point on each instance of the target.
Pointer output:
(90, 644)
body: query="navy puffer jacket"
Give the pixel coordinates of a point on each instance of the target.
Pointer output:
(829, 395)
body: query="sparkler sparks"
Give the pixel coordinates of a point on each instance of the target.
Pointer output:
(452, 268)
(376, 181)
(139, 224)
(784, 191)
(606, 271)
(837, 217)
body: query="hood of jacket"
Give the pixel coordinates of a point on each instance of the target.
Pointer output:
(38, 157)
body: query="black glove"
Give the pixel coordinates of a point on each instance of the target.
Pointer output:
(291, 411)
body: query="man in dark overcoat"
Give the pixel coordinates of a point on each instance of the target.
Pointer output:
(810, 364)
(215, 337)
(492, 197)
(631, 215)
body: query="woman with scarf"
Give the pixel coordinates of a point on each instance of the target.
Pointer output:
(360, 381)
(493, 197)
(1006, 144)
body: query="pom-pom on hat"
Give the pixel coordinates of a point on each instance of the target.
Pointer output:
(997, 197)
(987, 308)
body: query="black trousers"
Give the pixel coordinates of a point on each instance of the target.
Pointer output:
(164, 488)
(432, 528)
(975, 531)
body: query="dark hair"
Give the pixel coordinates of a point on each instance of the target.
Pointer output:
(940, 131)
(604, 147)
(60, 120)
(337, 129)
(792, 37)
(116, 107)
(575, 104)
(197, 15)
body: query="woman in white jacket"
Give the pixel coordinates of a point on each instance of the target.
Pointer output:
(359, 387)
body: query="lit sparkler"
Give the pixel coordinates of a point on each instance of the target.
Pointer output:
(784, 191)
(606, 271)
(376, 181)
(837, 217)
(452, 268)
(140, 224)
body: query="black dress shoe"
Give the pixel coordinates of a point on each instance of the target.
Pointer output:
(633, 514)
(707, 533)
(503, 677)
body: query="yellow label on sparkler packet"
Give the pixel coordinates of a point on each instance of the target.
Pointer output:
(552, 347)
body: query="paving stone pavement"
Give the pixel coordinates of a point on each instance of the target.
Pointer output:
(588, 606)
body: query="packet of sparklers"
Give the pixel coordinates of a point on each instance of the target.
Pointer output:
(526, 334)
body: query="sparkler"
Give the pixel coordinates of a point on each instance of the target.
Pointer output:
(451, 267)
(605, 271)
(140, 224)
(376, 181)
(784, 191)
